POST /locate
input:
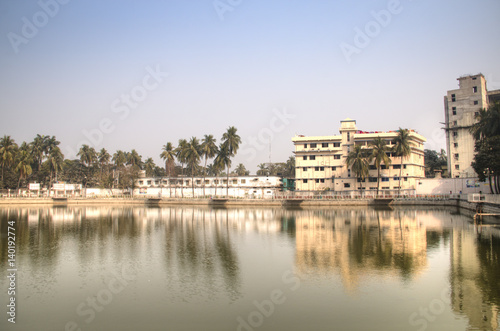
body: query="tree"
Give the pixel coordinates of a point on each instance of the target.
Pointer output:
(208, 150)
(241, 170)
(88, 157)
(134, 159)
(168, 155)
(357, 161)
(180, 153)
(55, 161)
(434, 161)
(103, 157)
(379, 155)
(263, 170)
(486, 133)
(290, 168)
(37, 150)
(119, 158)
(23, 164)
(231, 142)
(402, 149)
(192, 155)
(8, 149)
(149, 167)
(223, 160)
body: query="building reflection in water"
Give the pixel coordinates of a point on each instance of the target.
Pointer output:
(198, 247)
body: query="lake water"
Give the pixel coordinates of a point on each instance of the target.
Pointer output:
(195, 268)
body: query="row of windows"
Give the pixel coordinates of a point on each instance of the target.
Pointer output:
(454, 109)
(313, 157)
(323, 145)
(372, 167)
(370, 179)
(188, 182)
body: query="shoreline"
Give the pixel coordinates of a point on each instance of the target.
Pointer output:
(221, 203)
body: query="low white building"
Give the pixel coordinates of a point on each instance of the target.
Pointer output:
(239, 186)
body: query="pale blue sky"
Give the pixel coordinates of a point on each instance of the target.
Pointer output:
(260, 59)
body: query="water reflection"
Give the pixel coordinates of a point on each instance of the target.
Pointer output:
(197, 253)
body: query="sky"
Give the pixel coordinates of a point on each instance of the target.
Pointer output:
(126, 74)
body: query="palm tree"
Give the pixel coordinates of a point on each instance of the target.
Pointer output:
(55, 159)
(263, 170)
(357, 161)
(88, 157)
(119, 158)
(290, 167)
(223, 160)
(149, 166)
(208, 150)
(134, 159)
(192, 154)
(180, 153)
(8, 149)
(488, 123)
(379, 154)
(103, 157)
(23, 166)
(241, 170)
(37, 149)
(168, 154)
(402, 149)
(231, 142)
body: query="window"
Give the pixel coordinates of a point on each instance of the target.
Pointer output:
(321, 168)
(322, 180)
(455, 123)
(476, 114)
(405, 179)
(224, 181)
(457, 167)
(385, 179)
(404, 166)
(157, 182)
(347, 185)
(372, 179)
(207, 181)
(359, 180)
(336, 157)
(453, 108)
(396, 166)
(235, 181)
(317, 180)
(305, 145)
(474, 78)
(474, 89)
(149, 182)
(455, 156)
(312, 158)
(316, 169)
(243, 181)
(304, 157)
(216, 181)
(348, 136)
(324, 145)
(313, 145)
(336, 144)
(334, 168)
(304, 169)
(396, 178)
(476, 102)
(373, 167)
(304, 180)
(198, 182)
(455, 145)
(454, 112)
(455, 133)
(453, 99)
(383, 167)
(348, 172)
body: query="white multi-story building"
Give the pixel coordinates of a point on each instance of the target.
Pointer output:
(460, 108)
(320, 161)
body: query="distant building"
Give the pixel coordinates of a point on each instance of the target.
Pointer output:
(320, 161)
(239, 186)
(460, 108)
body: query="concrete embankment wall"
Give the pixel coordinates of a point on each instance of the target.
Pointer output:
(459, 203)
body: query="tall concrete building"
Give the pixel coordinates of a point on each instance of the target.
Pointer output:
(460, 108)
(320, 161)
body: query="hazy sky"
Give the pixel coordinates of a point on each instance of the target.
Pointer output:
(138, 74)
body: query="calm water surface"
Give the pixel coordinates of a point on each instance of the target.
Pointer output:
(134, 268)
